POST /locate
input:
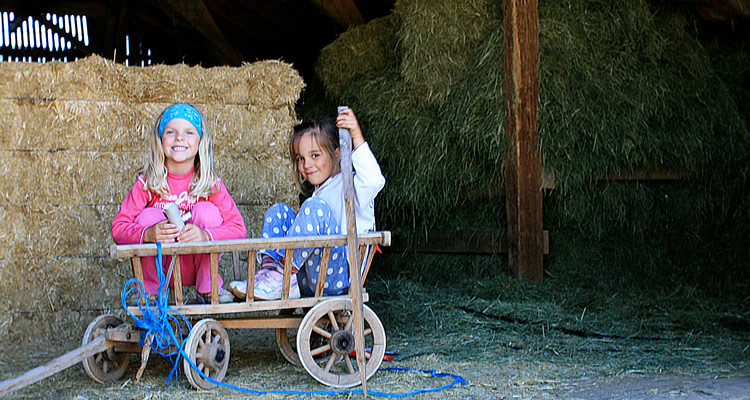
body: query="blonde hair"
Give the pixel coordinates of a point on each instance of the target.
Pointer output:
(324, 131)
(203, 183)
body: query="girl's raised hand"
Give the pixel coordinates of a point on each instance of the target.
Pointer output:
(192, 233)
(347, 120)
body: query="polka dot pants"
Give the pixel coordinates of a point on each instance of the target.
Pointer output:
(314, 219)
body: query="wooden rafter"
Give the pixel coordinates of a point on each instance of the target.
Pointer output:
(195, 14)
(345, 12)
(724, 10)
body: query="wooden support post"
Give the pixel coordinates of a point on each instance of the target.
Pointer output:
(523, 169)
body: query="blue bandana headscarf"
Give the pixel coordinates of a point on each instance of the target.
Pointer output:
(184, 111)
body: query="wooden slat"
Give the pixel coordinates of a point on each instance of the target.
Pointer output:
(362, 251)
(214, 278)
(250, 290)
(236, 265)
(240, 307)
(138, 274)
(123, 347)
(324, 258)
(177, 273)
(274, 322)
(463, 242)
(287, 280)
(221, 246)
(645, 175)
(367, 266)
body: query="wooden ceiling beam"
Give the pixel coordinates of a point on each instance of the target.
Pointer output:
(724, 10)
(193, 14)
(88, 8)
(344, 12)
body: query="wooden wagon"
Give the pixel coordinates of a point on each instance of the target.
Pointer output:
(315, 332)
(323, 334)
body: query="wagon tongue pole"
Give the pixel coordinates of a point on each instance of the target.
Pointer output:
(96, 346)
(355, 288)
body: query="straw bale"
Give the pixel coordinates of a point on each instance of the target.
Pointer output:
(253, 216)
(88, 79)
(54, 230)
(74, 231)
(257, 133)
(52, 283)
(271, 83)
(64, 177)
(74, 124)
(121, 126)
(73, 144)
(265, 83)
(261, 134)
(54, 332)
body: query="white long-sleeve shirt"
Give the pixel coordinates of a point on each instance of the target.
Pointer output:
(368, 181)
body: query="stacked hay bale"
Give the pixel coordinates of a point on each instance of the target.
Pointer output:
(624, 89)
(72, 141)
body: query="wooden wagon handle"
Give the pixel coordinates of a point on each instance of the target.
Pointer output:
(355, 288)
(95, 346)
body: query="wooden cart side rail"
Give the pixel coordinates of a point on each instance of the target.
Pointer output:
(244, 307)
(382, 238)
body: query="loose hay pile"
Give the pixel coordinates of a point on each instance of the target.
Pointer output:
(71, 146)
(625, 87)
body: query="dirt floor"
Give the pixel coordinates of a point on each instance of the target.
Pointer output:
(508, 340)
(261, 368)
(657, 387)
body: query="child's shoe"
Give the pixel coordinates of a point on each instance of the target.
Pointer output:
(270, 272)
(238, 288)
(270, 287)
(224, 296)
(270, 278)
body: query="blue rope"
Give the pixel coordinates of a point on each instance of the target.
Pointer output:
(159, 318)
(433, 373)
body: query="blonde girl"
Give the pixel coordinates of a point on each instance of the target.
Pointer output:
(179, 169)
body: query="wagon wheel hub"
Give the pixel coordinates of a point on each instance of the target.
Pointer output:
(211, 355)
(342, 342)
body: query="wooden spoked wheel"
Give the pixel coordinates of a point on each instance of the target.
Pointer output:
(286, 339)
(208, 347)
(325, 343)
(108, 365)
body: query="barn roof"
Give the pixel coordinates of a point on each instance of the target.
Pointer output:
(229, 32)
(205, 32)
